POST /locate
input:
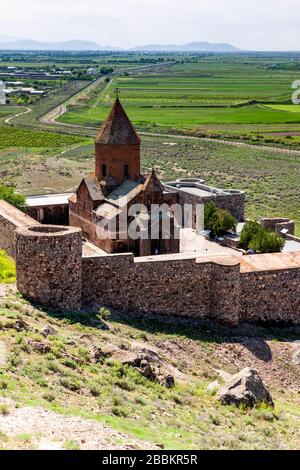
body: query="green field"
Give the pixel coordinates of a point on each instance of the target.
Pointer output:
(226, 93)
(291, 108)
(15, 137)
(186, 118)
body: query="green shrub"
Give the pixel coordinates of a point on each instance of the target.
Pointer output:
(250, 229)
(9, 195)
(259, 239)
(119, 411)
(267, 242)
(95, 390)
(70, 384)
(4, 410)
(218, 221)
(68, 362)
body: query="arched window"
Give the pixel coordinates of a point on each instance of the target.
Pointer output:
(103, 170)
(126, 171)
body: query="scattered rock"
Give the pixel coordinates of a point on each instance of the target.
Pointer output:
(214, 386)
(98, 355)
(245, 388)
(296, 358)
(48, 331)
(21, 325)
(3, 353)
(40, 347)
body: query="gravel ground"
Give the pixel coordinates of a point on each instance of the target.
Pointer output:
(49, 430)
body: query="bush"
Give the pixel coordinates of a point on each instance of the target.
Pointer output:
(267, 242)
(259, 239)
(218, 221)
(8, 194)
(249, 231)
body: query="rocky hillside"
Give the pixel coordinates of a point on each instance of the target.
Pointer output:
(100, 381)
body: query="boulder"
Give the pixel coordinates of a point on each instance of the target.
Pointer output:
(48, 331)
(245, 388)
(214, 386)
(98, 355)
(151, 366)
(40, 347)
(21, 325)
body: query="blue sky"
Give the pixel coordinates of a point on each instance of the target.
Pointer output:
(256, 24)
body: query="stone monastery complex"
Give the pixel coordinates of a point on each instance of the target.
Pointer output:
(63, 263)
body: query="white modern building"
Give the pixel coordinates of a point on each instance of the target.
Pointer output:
(2, 93)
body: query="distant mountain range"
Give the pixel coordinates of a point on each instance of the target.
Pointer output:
(190, 47)
(30, 45)
(19, 44)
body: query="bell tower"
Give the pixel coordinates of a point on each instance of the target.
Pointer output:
(117, 149)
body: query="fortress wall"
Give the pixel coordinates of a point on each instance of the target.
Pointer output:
(270, 296)
(168, 287)
(10, 220)
(225, 293)
(213, 288)
(278, 224)
(233, 202)
(48, 260)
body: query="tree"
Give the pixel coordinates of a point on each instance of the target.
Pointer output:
(260, 239)
(267, 242)
(9, 195)
(218, 221)
(250, 229)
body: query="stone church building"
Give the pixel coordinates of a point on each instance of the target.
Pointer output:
(116, 185)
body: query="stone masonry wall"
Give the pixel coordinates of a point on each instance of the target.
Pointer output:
(278, 224)
(10, 220)
(270, 296)
(202, 288)
(178, 287)
(234, 202)
(163, 287)
(48, 260)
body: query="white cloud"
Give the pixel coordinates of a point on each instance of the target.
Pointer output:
(257, 24)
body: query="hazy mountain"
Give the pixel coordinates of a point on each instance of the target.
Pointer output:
(8, 43)
(190, 47)
(10, 38)
(29, 44)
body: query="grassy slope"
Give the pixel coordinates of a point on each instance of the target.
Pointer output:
(66, 381)
(7, 268)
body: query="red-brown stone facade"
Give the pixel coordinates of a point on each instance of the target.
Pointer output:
(118, 162)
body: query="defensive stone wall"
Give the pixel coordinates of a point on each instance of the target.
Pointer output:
(278, 224)
(224, 288)
(10, 220)
(52, 271)
(233, 202)
(270, 296)
(48, 260)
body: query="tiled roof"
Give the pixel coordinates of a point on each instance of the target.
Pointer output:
(94, 188)
(125, 192)
(117, 128)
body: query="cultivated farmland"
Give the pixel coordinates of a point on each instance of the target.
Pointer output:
(226, 94)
